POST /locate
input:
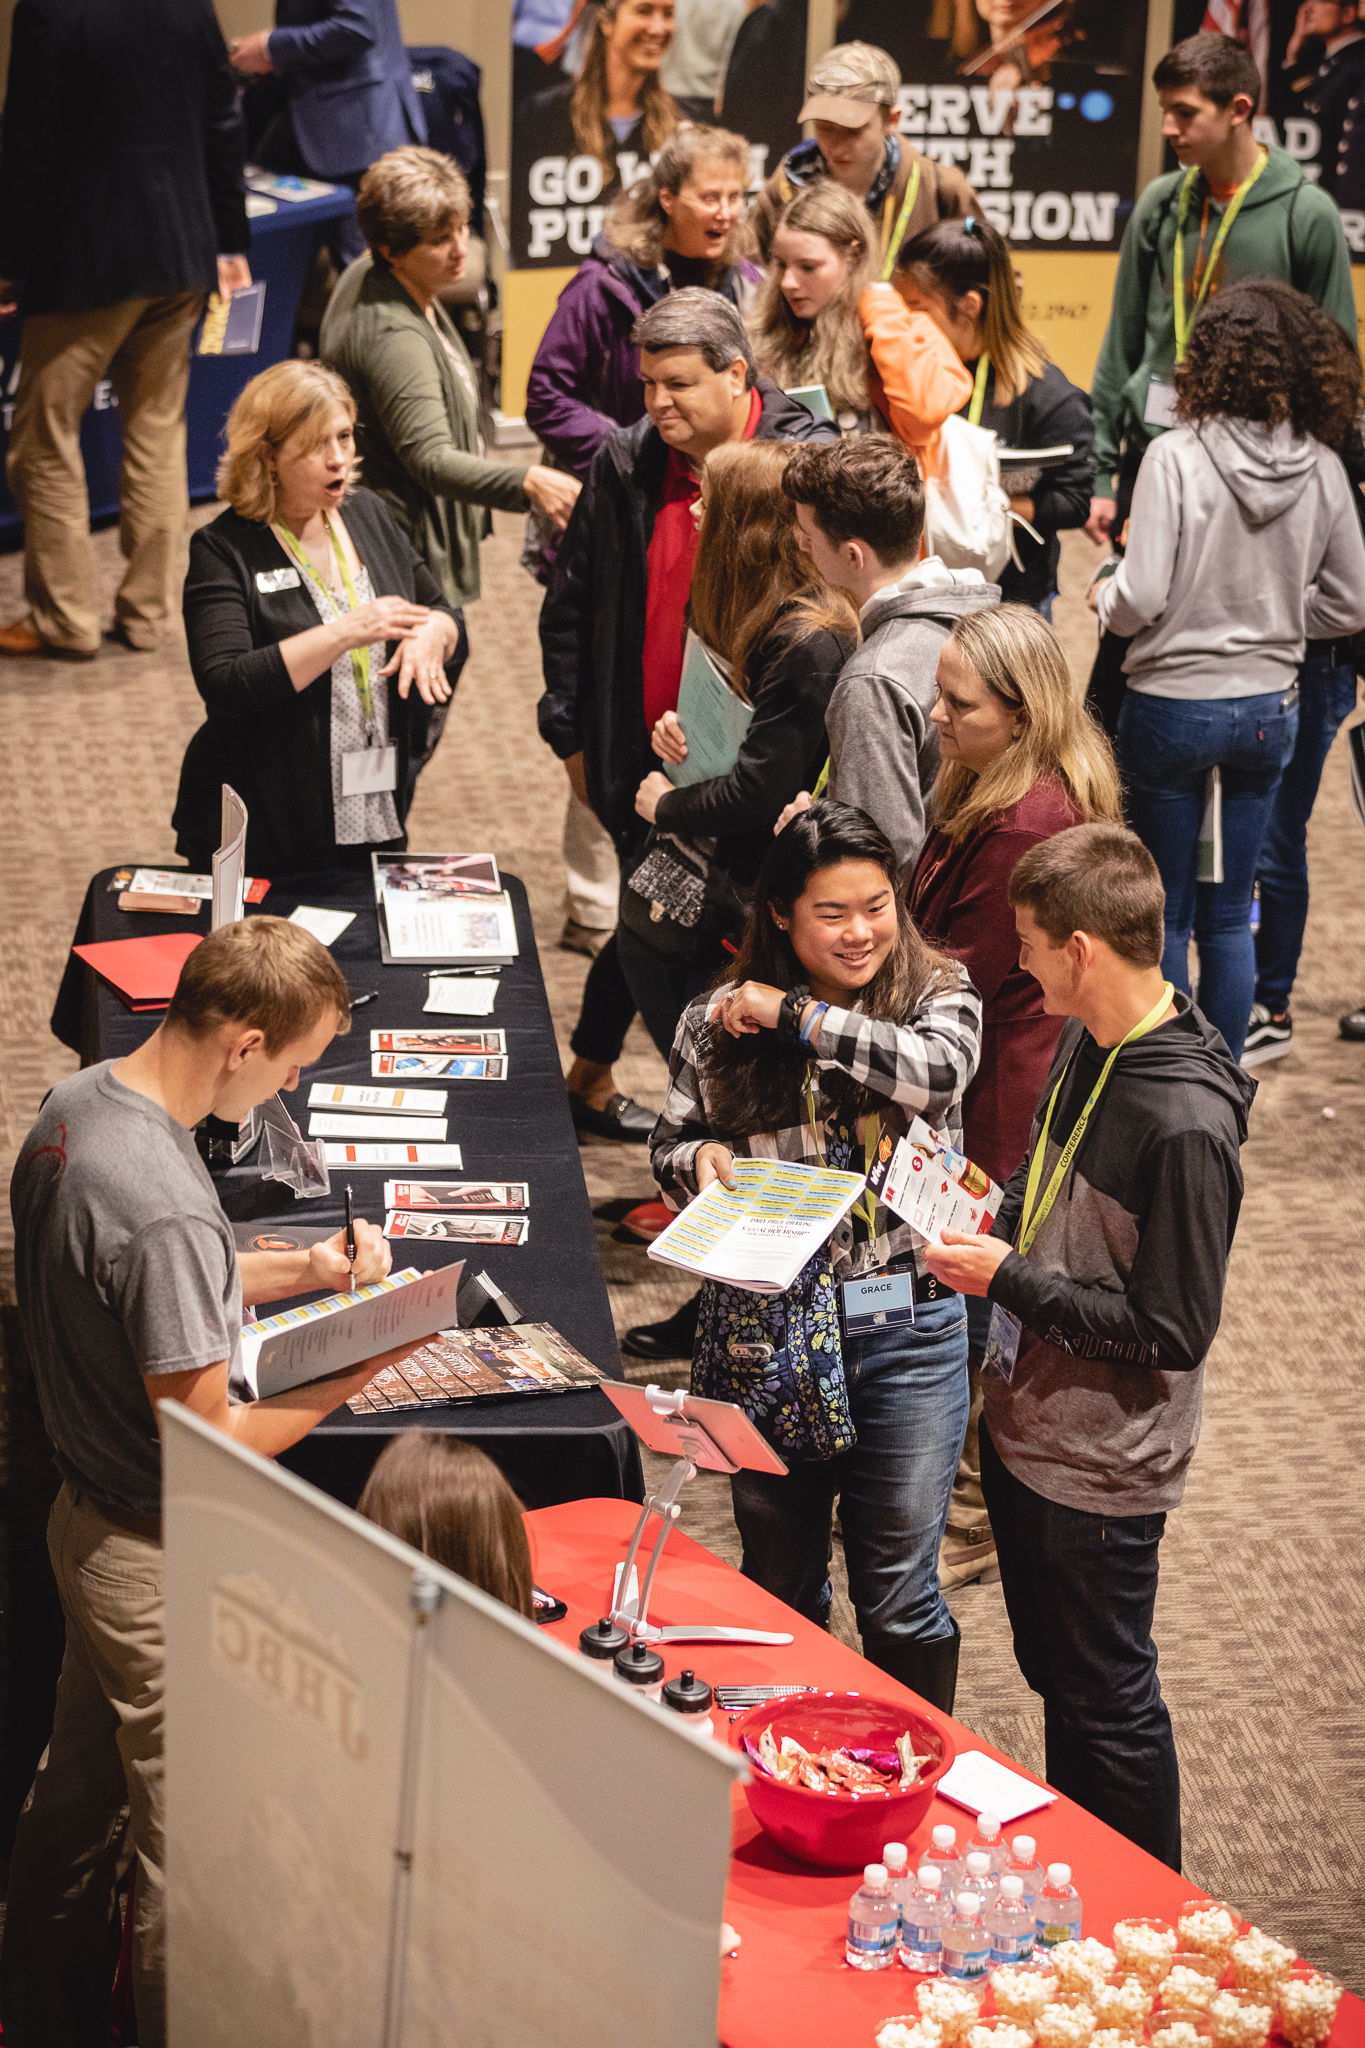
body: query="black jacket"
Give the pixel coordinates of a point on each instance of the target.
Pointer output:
(592, 627)
(121, 164)
(791, 675)
(1048, 413)
(269, 740)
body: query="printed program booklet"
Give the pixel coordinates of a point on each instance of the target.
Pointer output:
(443, 909)
(467, 1365)
(932, 1187)
(760, 1233)
(320, 1337)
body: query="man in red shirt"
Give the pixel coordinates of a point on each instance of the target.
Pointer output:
(613, 625)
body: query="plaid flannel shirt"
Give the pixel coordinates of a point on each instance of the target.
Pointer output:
(921, 1067)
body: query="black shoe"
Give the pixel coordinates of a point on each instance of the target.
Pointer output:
(628, 1121)
(930, 1669)
(1352, 1026)
(674, 1337)
(1269, 1037)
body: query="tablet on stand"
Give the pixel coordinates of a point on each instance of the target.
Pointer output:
(700, 1435)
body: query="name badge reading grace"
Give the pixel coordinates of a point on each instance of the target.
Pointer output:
(369, 771)
(1002, 1344)
(1159, 410)
(268, 581)
(879, 1301)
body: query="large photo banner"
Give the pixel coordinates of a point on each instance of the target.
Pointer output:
(597, 85)
(1038, 105)
(1311, 55)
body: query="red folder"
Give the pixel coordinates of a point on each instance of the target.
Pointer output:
(143, 971)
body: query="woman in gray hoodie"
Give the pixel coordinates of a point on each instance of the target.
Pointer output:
(1244, 543)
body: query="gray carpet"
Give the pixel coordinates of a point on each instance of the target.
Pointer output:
(1262, 1614)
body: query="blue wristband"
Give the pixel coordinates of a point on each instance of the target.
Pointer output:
(814, 1018)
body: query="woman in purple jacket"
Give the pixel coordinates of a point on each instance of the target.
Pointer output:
(681, 225)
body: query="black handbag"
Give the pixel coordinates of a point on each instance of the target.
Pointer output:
(666, 900)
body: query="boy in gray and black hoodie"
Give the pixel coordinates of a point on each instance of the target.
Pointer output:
(1106, 1270)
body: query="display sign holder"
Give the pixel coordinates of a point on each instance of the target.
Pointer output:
(713, 1436)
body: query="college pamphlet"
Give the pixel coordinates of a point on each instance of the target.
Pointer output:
(712, 717)
(443, 909)
(464, 1365)
(321, 1337)
(760, 1233)
(403, 1101)
(931, 1187)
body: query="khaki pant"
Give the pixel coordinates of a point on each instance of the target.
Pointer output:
(142, 346)
(592, 873)
(97, 1795)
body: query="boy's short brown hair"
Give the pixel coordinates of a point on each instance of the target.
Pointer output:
(1098, 879)
(868, 490)
(262, 973)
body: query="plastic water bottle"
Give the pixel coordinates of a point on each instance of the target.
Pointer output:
(1010, 1923)
(1058, 1911)
(923, 1913)
(979, 1877)
(1022, 1862)
(942, 1853)
(988, 1841)
(873, 1922)
(966, 1944)
(896, 1857)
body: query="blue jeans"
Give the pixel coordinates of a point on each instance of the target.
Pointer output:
(1080, 1591)
(908, 1394)
(1166, 747)
(1327, 695)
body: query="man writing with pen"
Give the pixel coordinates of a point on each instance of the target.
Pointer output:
(130, 1290)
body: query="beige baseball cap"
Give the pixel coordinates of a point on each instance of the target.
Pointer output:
(849, 84)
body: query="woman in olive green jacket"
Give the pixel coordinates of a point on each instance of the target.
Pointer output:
(417, 398)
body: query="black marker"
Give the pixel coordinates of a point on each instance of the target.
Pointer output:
(350, 1232)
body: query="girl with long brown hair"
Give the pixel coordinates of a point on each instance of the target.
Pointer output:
(805, 326)
(835, 1024)
(449, 1500)
(778, 639)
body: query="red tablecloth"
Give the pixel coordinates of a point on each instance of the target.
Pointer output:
(789, 1987)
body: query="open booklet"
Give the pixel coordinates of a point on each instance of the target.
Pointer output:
(921, 1179)
(326, 1336)
(760, 1233)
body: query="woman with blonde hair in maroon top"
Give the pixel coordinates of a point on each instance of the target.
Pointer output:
(1021, 759)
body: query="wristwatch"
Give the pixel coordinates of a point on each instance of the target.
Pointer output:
(790, 1015)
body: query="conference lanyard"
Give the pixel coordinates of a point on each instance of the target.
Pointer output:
(360, 656)
(889, 253)
(1035, 1213)
(978, 404)
(1201, 289)
(866, 1204)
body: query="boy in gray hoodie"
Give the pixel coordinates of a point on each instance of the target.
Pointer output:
(860, 518)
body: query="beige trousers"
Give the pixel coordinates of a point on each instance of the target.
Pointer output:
(592, 873)
(142, 346)
(97, 1795)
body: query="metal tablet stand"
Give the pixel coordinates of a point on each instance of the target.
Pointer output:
(700, 1451)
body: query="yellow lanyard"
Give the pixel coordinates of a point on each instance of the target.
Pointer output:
(978, 404)
(866, 1204)
(821, 782)
(891, 247)
(360, 656)
(1181, 310)
(1035, 1213)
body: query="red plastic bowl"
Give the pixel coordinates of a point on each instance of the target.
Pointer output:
(841, 1830)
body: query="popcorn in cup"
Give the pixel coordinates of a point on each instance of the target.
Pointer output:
(1021, 1990)
(999, 2033)
(1240, 2019)
(1122, 2006)
(1308, 2005)
(1260, 1963)
(908, 2030)
(952, 2008)
(1208, 1927)
(1067, 2022)
(1082, 1966)
(1144, 1948)
(1191, 1981)
(1110, 2037)
(1180, 2030)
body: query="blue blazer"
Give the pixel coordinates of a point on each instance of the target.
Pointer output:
(351, 96)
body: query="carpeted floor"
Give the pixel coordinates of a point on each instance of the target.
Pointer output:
(1262, 1615)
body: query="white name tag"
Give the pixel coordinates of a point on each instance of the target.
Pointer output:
(369, 771)
(1159, 410)
(270, 580)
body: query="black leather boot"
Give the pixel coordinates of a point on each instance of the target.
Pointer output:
(930, 1669)
(674, 1337)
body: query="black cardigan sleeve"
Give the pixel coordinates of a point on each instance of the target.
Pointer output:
(1055, 412)
(566, 621)
(793, 677)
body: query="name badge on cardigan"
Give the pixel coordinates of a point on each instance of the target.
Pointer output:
(268, 581)
(369, 771)
(879, 1301)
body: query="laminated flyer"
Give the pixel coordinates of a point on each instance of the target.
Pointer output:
(931, 1187)
(760, 1233)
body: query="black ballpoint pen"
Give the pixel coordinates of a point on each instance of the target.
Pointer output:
(350, 1231)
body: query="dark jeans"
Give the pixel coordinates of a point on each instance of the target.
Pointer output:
(1327, 695)
(1080, 1591)
(908, 1395)
(661, 989)
(1166, 747)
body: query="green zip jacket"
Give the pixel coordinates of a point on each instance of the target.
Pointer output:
(417, 423)
(1286, 227)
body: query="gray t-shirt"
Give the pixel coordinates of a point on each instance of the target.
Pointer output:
(125, 1268)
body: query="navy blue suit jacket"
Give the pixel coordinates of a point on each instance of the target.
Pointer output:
(351, 96)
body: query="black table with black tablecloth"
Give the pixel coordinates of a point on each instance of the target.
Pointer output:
(553, 1447)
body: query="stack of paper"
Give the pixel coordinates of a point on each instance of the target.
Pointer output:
(760, 1233)
(359, 1112)
(443, 908)
(462, 1365)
